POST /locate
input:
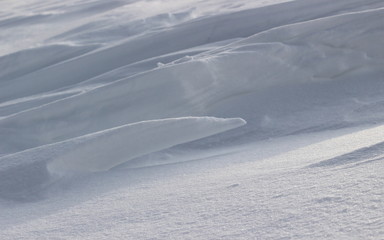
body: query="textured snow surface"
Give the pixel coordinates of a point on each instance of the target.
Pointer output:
(167, 119)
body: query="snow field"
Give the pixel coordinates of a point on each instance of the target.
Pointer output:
(104, 130)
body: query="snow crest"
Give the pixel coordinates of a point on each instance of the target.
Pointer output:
(27, 175)
(104, 127)
(106, 149)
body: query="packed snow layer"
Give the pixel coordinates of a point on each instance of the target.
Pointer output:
(27, 174)
(225, 79)
(104, 131)
(109, 148)
(251, 192)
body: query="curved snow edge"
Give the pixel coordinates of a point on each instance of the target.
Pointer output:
(109, 148)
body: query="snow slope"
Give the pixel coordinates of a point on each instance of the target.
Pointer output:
(104, 129)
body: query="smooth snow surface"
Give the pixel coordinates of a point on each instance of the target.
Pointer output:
(106, 149)
(167, 119)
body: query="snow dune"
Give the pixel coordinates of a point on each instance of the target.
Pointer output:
(245, 186)
(109, 148)
(27, 173)
(104, 127)
(244, 24)
(267, 68)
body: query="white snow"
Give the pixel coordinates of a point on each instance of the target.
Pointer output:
(106, 149)
(105, 134)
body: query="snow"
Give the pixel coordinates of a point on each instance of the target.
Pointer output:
(127, 119)
(116, 146)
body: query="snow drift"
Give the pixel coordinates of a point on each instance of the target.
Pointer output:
(28, 173)
(265, 79)
(109, 148)
(104, 129)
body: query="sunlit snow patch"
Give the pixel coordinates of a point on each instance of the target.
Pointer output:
(112, 147)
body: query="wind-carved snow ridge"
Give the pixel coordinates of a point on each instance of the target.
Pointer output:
(109, 148)
(104, 130)
(267, 76)
(24, 176)
(359, 156)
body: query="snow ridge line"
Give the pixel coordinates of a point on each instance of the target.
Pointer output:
(114, 52)
(32, 171)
